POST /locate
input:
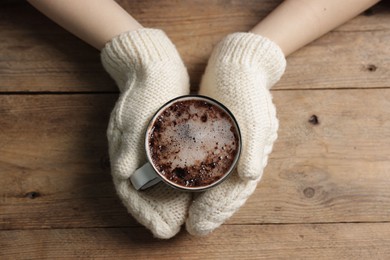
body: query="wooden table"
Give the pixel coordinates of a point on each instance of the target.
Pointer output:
(325, 193)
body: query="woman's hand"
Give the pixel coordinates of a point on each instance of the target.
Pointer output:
(149, 72)
(241, 70)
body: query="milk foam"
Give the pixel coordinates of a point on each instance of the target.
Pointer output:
(200, 140)
(193, 140)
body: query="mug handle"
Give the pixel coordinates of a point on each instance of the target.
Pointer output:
(144, 177)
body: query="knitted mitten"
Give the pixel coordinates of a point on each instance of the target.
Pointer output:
(241, 70)
(149, 72)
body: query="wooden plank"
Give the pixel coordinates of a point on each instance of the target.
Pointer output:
(54, 162)
(39, 56)
(340, 60)
(336, 171)
(329, 241)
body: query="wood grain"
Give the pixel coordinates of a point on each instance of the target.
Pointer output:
(40, 56)
(340, 60)
(336, 171)
(324, 195)
(328, 241)
(54, 164)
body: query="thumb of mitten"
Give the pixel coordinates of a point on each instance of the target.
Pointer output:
(259, 134)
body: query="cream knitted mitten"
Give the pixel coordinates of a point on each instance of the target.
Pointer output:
(241, 70)
(149, 72)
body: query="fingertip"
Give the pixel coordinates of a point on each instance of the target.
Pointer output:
(250, 175)
(165, 231)
(198, 229)
(250, 169)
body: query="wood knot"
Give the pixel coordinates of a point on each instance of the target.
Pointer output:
(371, 67)
(32, 195)
(314, 120)
(309, 192)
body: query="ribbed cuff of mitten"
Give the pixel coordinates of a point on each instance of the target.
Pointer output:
(254, 51)
(126, 52)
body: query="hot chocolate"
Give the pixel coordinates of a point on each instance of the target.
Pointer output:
(193, 142)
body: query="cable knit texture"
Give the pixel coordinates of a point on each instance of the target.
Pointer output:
(149, 72)
(240, 72)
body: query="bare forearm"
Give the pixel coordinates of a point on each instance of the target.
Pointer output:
(296, 23)
(95, 22)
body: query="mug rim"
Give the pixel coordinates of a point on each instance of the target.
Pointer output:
(158, 113)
